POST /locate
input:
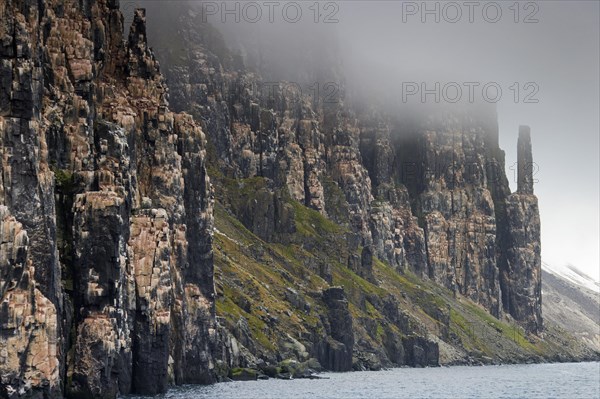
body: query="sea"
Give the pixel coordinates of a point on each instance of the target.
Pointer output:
(551, 380)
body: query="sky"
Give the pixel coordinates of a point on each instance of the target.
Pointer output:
(549, 49)
(559, 54)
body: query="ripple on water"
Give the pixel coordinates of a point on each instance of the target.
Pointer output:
(559, 380)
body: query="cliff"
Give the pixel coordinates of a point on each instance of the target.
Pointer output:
(426, 194)
(106, 259)
(522, 273)
(415, 202)
(327, 236)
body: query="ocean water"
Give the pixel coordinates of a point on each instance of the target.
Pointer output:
(558, 380)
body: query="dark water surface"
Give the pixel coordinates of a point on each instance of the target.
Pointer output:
(559, 380)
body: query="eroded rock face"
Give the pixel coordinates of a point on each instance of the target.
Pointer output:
(105, 211)
(267, 129)
(428, 195)
(335, 351)
(420, 352)
(29, 341)
(522, 274)
(458, 209)
(106, 208)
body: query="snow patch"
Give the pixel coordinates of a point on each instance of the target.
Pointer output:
(573, 275)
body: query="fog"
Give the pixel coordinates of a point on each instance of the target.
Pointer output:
(542, 56)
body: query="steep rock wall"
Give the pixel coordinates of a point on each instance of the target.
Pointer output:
(428, 194)
(106, 266)
(522, 273)
(106, 208)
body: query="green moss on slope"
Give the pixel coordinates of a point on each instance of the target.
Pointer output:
(255, 280)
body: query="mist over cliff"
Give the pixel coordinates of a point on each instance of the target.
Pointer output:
(185, 201)
(543, 57)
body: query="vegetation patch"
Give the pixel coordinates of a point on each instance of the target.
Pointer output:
(254, 279)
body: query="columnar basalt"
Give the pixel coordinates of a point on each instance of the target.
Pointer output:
(523, 272)
(335, 352)
(106, 211)
(429, 194)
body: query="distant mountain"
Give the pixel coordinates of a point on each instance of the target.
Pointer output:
(572, 301)
(573, 275)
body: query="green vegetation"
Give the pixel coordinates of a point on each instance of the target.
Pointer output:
(254, 279)
(65, 188)
(311, 223)
(337, 207)
(65, 181)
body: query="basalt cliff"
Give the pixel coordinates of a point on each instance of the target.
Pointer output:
(173, 223)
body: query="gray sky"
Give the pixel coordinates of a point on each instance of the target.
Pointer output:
(385, 43)
(560, 54)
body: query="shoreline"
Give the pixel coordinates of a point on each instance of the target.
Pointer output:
(335, 377)
(257, 374)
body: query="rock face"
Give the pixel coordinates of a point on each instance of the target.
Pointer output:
(335, 352)
(428, 195)
(105, 211)
(421, 352)
(522, 274)
(441, 178)
(29, 322)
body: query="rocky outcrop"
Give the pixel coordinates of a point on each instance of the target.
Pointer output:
(29, 338)
(428, 193)
(457, 209)
(335, 351)
(106, 211)
(421, 352)
(522, 274)
(267, 129)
